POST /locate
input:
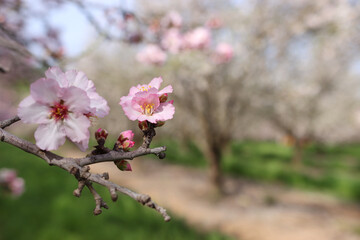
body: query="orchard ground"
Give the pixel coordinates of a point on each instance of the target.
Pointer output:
(251, 210)
(324, 206)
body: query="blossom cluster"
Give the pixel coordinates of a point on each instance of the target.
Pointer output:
(11, 182)
(173, 41)
(63, 104)
(148, 103)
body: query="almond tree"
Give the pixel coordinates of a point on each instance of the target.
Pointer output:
(210, 87)
(291, 68)
(307, 51)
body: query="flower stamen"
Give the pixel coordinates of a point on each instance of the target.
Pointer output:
(59, 111)
(147, 109)
(145, 88)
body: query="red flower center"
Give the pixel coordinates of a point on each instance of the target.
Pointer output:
(59, 111)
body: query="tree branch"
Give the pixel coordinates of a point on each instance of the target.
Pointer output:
(114, 155)
(8, 122)
(78, 167)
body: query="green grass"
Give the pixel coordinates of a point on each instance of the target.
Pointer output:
(182, 153)
(48, 210)
(332, 169)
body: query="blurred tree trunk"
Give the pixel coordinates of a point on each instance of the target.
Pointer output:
(297, 157)
(216, 177)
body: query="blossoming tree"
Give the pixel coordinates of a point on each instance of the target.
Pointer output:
(63, 104)
(288, 66)
(199, 64)
(305, 69)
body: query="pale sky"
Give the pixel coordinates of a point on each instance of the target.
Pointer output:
(76, 30)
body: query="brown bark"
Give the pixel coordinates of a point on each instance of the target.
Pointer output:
(216, 176)
(297, 156)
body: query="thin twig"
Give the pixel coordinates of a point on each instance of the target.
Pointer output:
(6, 123)
(114, 155)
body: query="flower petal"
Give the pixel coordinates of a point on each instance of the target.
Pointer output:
(131, 112)
(164, 112)
(76, 99)
(134, 90)
(50, 136)
(76, 128)
(125, 99)
(167, 89)
(46, 91)
(98, 104)
(56, 74)
(77, 79)
(155, 83)
(30, 111)
(82, 145)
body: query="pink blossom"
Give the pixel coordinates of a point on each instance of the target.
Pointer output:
(98, 105)
(172, 20)
(172, 41)
(9, 180)
(59, 111)
(155, 83)
(152, 54)
(214, 23)
(143, 102)
(199, 38)
(224, 52)
(17, 186)
(7, 175)
(146, 106)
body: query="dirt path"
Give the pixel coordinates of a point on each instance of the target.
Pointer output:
(252, 212)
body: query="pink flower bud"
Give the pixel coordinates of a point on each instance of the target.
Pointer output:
(123, 165)
(126, 135)
(101, 134)
(125, 140)
(143, 125)
(127, 144)
(163, 98)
